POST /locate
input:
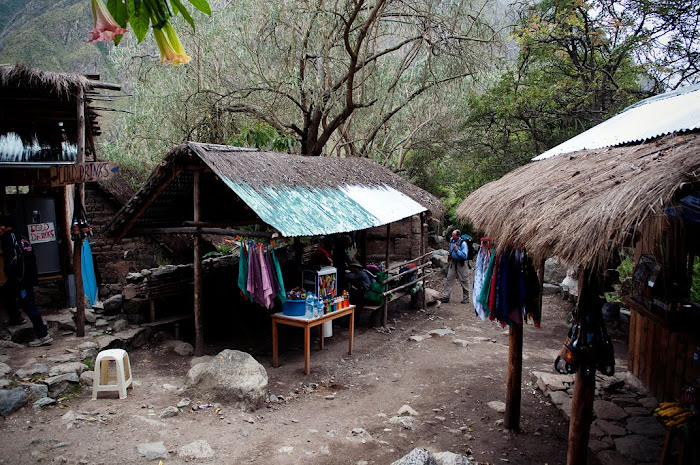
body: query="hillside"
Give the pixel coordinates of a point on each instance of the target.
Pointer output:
(51, 35)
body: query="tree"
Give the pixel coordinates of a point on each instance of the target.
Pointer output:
(579, 62)
(312, 67)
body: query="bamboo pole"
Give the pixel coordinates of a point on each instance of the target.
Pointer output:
(198, 272)
(423, 228)
(515, 376)
(78, 245)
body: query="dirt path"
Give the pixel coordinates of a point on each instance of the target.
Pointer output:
(447, 384)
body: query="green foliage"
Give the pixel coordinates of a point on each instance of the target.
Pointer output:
(695, 286)
(263, 136)
(89, 362)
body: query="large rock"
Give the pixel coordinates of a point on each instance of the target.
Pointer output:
(12, 400)
(33, 369)
(232, 377)
(450, 458)
(113, 305)
(179, 347)
(61, 383)
(638, 448)
(431, 296)
(606, 410)
(70, 367)
(548, 382)
(4, 369)
(439, 259)
(153, 450)
(645, 426)
(554, 270)
(196, 450)
(418, 456)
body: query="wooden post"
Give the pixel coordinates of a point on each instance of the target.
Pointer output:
(540, 277)
(515, 375)
(584, 383)
(422, 248)
(198, 271)
(78, 245)
(385, 308)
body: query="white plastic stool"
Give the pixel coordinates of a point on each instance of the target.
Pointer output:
(102, 379)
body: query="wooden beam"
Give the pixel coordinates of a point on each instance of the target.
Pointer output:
(133, 217)
(584, 382)
(198, 273)
(197, 230)
(515, 377)
(385, 308)
(78, 246)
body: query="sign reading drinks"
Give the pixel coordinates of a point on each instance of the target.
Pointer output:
(62, 175)
(41, 232)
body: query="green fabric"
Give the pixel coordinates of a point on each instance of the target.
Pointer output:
(376, 289)
(282, 294)
(243, 272)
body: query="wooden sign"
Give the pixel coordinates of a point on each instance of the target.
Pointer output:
(62, 175)
(41, 232)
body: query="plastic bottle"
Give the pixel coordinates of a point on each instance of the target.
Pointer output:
(309, 304)
(318, 308)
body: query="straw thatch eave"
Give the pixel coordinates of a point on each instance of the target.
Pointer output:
(581, 206)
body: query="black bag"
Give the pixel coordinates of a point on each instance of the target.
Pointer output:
(24, 261)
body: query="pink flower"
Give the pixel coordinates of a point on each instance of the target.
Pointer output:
(106, 28)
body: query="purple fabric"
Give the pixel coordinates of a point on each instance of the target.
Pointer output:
(271, 271)
(266, 292)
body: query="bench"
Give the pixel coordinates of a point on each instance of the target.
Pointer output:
(394, 290)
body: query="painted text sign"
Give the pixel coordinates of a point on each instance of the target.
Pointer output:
(41, 232)
(63, 175)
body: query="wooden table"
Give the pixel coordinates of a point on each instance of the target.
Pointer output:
(307, 324)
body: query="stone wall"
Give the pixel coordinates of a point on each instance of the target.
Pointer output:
(115, 261)
(404, 243)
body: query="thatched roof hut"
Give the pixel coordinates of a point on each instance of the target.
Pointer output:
(582, 205)
(39, 110)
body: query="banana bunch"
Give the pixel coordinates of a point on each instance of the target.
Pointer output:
(673, 414)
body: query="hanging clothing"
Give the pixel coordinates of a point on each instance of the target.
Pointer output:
(87, 270)
(480, 268)
(243, 271)
(281, 294)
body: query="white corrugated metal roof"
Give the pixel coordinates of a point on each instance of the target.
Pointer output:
(674, 111)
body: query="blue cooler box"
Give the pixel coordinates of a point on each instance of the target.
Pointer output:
(294, 307)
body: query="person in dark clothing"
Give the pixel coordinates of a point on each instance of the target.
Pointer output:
(341, 259)
(321, 257)
(360, 282)
(21, 278)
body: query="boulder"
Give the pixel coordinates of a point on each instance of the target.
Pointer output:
(35, 391)
(431, 296)
(439, 258)
(196, 450)
(638, 448)
(231, 377)
(450, 458)
(554, 270)
(418, 456)
(113, 305)
(120, 325)
(606, 410)
(153, 450)
(34, 369)
(12, 400)
(70, 367)
(179, 347)
(61, 383)
(87, 378)
(4, 369)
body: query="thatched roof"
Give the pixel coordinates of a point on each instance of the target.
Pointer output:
(41, 107)
(580, 206)
(297, 195)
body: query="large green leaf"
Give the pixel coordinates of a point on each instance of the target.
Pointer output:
(120, 13)
(139, 19)
(177, 5)
(201, 5)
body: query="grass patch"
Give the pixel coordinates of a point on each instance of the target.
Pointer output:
(90, 363)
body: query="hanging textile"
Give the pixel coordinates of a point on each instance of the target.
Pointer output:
(281, 294)
(243, 271)
(87, 269)
(507, 288)
(482, 263)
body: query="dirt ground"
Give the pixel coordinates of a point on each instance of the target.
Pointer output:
(447, 384)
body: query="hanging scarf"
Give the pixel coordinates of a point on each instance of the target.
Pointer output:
(243, 272)
(281, 294)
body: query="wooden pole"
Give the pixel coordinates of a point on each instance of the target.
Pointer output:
(198, 272)
(422, 248)
(584, 381)
(385, 308)
(515, 376)
(78, 245)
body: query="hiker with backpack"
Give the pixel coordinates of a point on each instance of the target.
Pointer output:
(457, 267)
(19, 265)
